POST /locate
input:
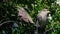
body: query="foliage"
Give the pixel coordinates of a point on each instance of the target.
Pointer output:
(8, 12)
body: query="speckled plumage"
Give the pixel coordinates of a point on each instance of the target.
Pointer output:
(24, 15)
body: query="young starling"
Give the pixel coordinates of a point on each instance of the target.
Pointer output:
(24, 16)
(42, 19)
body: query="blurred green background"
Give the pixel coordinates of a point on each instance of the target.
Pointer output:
(8, 12)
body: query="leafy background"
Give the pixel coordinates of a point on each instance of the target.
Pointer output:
(8, 12)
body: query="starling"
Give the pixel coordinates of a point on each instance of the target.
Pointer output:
(24, 16)
(42, 19)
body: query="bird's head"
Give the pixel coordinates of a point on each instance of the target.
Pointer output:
(46, 11)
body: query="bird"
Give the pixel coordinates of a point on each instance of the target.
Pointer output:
(42, 17)
(24, 16)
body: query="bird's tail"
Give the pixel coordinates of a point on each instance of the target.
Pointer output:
(36, 27)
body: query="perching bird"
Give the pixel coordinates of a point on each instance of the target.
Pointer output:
(42, 20)
(24, 16)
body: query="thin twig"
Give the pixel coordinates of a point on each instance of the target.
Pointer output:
(6, 22)
(47, 30)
